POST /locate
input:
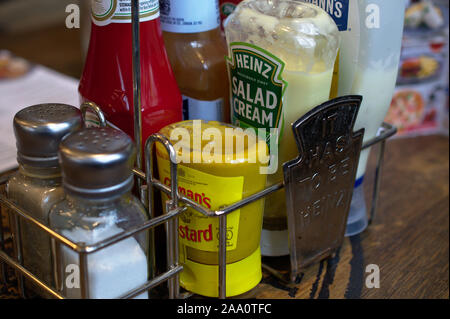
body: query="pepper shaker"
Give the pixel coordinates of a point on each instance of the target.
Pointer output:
(37, 184)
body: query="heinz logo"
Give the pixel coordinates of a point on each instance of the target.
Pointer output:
(195, 235)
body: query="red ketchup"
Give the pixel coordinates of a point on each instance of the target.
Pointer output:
(107, 78)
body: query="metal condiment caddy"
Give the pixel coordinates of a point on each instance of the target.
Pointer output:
(147, 183)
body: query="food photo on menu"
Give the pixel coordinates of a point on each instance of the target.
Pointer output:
(237, 156)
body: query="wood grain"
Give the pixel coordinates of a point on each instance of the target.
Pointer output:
(408, 239)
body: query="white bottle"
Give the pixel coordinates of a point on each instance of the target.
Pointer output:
(371, 35)
(374, 75)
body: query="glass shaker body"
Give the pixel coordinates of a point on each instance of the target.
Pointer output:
(114, 270)
(96, 166)
(36, 186)
(35, 190)
(286, 50)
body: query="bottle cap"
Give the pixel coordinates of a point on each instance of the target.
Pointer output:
(97, 162)
(39, 130)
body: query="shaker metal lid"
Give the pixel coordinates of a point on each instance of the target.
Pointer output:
(39, 130)
(97, 162)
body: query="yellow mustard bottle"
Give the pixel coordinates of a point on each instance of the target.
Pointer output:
(216, 181)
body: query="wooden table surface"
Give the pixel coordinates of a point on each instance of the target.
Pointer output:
(408, 240)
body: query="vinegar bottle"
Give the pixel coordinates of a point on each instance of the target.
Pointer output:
(108, 79)
(197, 52)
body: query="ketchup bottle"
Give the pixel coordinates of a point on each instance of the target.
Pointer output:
(107, 78)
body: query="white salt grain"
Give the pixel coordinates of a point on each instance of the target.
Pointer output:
(112, 271)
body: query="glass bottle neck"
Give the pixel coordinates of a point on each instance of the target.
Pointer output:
(213, 34)
(40, 172)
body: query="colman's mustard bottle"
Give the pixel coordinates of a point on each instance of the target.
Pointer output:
(219, 165)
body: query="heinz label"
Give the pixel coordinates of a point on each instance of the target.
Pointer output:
(105, 12)
(257, 88)
(196, 230)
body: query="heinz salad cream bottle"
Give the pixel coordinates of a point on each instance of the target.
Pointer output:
(281, 59)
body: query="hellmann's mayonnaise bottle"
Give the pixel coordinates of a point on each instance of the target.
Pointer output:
(281, 59)
(369, 54)
(375, 75)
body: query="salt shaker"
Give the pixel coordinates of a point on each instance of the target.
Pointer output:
(37, 184)
(97, 178)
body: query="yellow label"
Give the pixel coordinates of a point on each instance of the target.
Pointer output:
(213, 192)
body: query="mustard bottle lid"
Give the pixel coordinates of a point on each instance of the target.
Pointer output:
(213, 142)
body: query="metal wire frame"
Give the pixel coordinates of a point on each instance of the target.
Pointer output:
(84, 251)
(386, 131)
(172, 208)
